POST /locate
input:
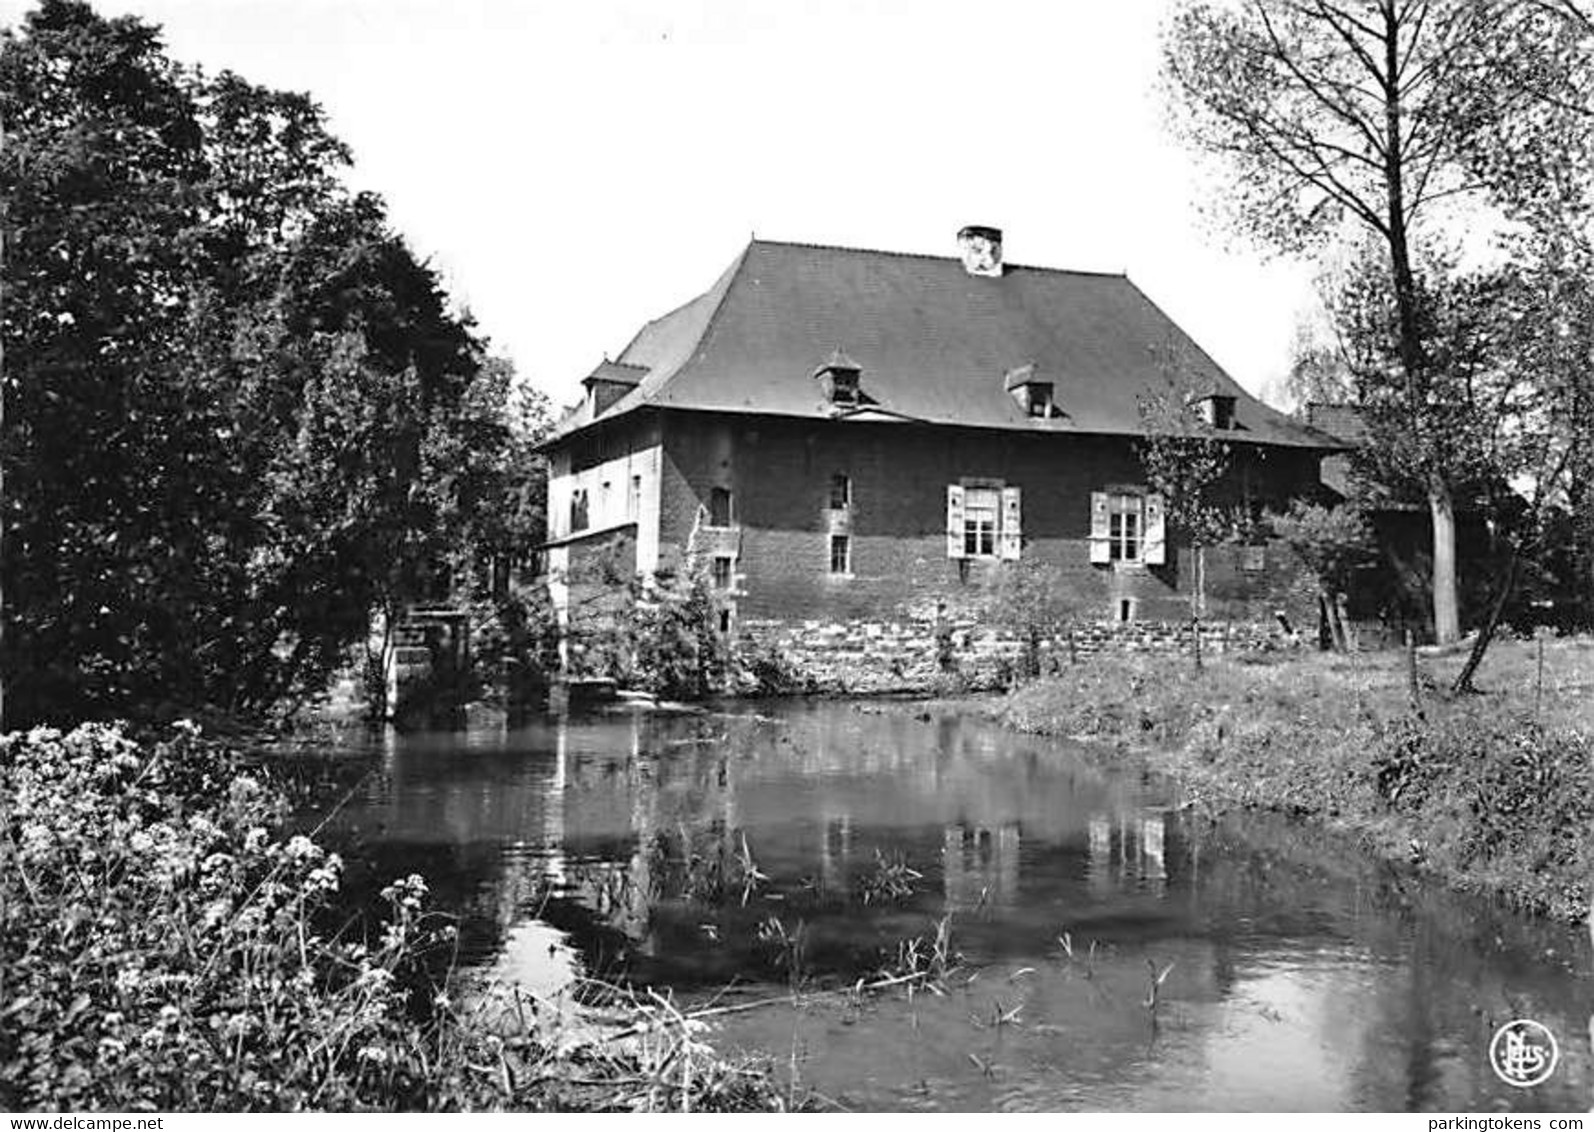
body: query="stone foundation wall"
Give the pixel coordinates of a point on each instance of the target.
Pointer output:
(863, 657)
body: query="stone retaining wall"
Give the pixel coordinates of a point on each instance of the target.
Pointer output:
(860, 657)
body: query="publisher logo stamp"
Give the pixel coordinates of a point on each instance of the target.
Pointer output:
(1523, 1053)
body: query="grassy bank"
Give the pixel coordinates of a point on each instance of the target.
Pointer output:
(164, 948)
(1492, 793)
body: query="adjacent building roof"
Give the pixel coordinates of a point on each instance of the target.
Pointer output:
(934, 343)
(1344, 423)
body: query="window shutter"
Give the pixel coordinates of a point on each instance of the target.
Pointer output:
(954, 521)
(1156, 550)
(1012, 532)
(1100, 551)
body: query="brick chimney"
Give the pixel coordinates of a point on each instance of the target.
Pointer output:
(981, 248)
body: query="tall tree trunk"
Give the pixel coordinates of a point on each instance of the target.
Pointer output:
(1446, 613)
(1336, 629)
(1447, 621)
(1347, 628)
(2, 434)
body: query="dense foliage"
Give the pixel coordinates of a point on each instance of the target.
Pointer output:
(661, 634)
(241, 413)
(166, 946)
(161, 949)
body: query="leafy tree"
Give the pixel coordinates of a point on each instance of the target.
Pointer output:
(1335, 543)
(668, 639)
(1317, 373)
(1186, 462)
(242, 414)
(1540, 165)
(1488, 395)
(1031, 601)
(1366, 114)
(1467, 396)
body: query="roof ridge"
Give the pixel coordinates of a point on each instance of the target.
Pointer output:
(898, 254)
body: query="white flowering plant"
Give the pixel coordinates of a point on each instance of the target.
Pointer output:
(164, 948)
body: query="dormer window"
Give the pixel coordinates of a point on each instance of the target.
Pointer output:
(1032, 391)
(839, 380)
(610, 382)
(1217, 410)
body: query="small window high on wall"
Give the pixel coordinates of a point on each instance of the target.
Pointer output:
(840, 492)
(719, 508)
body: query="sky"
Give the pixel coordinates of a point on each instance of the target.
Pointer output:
(576, 168)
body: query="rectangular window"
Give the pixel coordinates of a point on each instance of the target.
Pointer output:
(840, 492)
(840, 554)
(982, 507)
(578, 510)
(1126, 527)
(633, 502)
(719, 507)
(722, 572)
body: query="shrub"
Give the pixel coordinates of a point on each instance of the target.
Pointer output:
(164, 949)
(161, 945)
(665, 638)
(767, 671)
(515, 644)
(680, 651)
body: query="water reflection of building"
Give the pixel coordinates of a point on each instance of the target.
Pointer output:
(980, 865)
(1153, 859)
(1126, 850)
(835, 851)
(673, 804)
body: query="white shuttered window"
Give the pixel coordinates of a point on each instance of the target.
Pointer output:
(1127, 527)
(984, 522)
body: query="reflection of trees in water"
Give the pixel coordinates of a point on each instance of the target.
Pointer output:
(1440, 971)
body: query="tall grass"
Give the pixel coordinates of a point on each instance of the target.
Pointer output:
(1492, 792)
(165, 947)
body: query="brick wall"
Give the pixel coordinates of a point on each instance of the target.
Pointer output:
(779, 474)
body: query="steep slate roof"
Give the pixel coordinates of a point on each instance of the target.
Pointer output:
(935, 344)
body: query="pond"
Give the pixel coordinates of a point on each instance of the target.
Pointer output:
(731, 854)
